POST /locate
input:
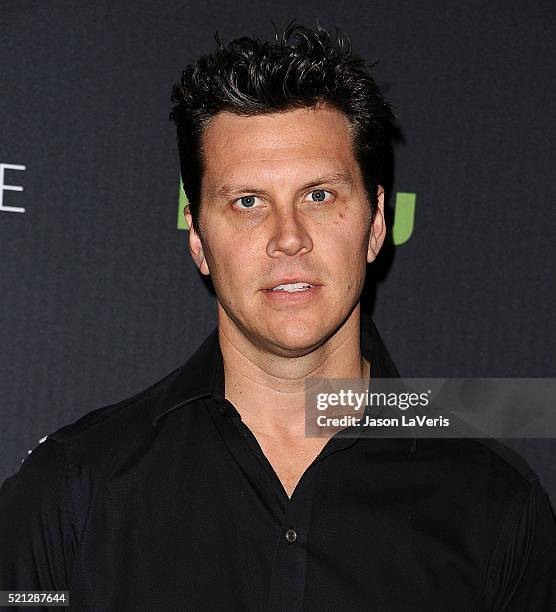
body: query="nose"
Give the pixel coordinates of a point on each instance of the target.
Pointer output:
(289, 235)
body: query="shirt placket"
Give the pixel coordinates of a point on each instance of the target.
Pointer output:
(291, 515)
(287, 587)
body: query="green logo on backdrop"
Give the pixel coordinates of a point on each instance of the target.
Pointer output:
(404, 215)
(182, 203)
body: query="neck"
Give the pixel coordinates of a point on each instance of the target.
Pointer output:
(268, 390)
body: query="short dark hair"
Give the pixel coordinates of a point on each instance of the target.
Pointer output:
(302, 68)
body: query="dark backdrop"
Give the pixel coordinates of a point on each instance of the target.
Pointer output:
(99, 297)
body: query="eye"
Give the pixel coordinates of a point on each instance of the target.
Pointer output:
(319, 195)
(246, 202)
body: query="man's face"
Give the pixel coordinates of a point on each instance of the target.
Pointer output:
(283, 201)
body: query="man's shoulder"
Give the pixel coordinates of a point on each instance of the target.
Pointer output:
(485, 464)
(97, 438)
(502, 457)
(102, 429)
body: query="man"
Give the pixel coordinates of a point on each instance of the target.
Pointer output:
(202, 492)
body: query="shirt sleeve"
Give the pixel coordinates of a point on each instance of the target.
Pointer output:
(523, 569)
(36, 540)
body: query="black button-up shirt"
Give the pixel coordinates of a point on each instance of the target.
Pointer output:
(165, 501)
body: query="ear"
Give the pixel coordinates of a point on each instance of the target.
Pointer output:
(195, 244)
(378, 228)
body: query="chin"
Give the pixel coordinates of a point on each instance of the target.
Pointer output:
(299, 337)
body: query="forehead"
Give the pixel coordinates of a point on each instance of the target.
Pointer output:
(298, 140)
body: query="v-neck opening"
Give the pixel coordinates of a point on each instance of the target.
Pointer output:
(253, 443)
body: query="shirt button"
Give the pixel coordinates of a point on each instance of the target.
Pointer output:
(291, 535)
(222, 409)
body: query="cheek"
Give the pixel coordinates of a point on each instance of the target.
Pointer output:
(345, 256)
(345, 245)
(235, 261)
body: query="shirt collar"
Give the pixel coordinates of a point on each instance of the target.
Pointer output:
(203, 375)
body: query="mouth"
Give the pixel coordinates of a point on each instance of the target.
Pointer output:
(292, 287)
(299, 292)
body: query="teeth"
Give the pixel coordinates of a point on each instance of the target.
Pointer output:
(293, 287)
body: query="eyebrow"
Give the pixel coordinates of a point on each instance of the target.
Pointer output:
(336, 178)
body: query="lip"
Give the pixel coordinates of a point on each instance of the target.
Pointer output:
(290, 280)
(294, 297)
